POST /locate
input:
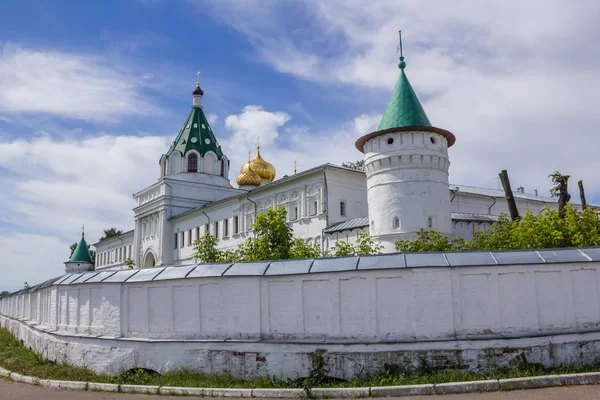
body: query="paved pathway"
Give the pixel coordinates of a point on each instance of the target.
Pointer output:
(19, 391)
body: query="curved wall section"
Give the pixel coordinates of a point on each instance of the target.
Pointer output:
(371, 309)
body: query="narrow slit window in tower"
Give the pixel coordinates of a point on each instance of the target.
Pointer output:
(192, 163)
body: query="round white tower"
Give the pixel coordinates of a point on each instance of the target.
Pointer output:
(406, 163)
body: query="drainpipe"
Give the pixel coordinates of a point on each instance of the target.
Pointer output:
(490, 209)
(325, 207)
(208, 218)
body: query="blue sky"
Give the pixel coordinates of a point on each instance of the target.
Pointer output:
(91, 93)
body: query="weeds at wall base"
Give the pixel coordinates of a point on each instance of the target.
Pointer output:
(16, 357)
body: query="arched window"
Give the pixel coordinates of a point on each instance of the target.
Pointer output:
(223, 167)
(396, 223)
(192, 163)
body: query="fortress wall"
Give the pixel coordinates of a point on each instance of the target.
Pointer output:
(365, 311)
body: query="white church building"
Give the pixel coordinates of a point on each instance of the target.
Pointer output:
(403, 189)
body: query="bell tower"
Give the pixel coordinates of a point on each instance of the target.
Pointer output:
(406, 163)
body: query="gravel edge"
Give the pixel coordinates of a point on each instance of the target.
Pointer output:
(532, 382)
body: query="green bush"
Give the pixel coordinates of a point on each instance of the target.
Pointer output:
(542, 231)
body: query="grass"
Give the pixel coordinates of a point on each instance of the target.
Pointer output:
(16, 357)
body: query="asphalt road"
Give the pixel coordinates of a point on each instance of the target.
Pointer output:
(14, 391)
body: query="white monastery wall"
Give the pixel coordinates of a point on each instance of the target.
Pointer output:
(432, 301)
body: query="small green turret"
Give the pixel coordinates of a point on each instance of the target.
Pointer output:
(81, 259)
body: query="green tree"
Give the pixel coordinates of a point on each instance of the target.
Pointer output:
(26, 285)
(109, 233)
(4, 293)
(342, 248)
(129, 263)
(273, 240)
(425, 241)
(301, 249)
(365, 245)
(273, 236)
(205, 249)
(359, 165)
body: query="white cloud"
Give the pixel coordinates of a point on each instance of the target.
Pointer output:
(52, 186)
(516, 83)
(255, 122)
(55, 185)
(212, 118)
(281, 144)
(69, 85)
(31, 258)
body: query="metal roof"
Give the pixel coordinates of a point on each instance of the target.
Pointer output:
(474, 217)
(348, 225)
(363, 222)
(499, 193)
(334, 264)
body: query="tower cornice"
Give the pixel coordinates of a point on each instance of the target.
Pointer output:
(360, 143)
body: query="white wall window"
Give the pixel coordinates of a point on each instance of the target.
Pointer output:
(216, 228)
(197, 232)
(342, 208)
(225, 228)
(190, 237)
(295, 212)
(182, 239)
(130, 253)
(236, 224)
(206, 229)
(315, 206)
(396, 223)
(429, 222)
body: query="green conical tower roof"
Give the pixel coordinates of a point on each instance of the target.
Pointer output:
(404, 108)
(404, 111)
(196, 133)
(81, 253)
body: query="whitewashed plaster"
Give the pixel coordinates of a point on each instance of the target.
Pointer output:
(371, 311)
(407, 179)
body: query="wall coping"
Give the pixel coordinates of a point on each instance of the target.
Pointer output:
(329, 264)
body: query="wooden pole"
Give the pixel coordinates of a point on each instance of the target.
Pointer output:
(582, 195)
(510, 198)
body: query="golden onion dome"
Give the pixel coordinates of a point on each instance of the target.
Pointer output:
(248, 177)
(264, 169)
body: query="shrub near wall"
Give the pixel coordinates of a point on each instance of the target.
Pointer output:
(543, 231)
